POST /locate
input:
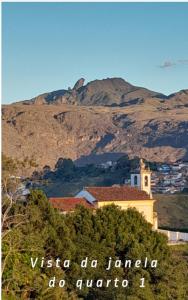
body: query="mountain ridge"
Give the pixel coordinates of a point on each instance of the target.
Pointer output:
(105, 92)
(141, 123)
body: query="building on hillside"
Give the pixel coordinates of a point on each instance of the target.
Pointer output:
(138, 195)
(68, 204)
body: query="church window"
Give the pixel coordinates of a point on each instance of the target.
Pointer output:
(135, 180)
(146, 180)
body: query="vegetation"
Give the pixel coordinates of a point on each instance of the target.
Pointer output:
(110, 232)
(67, 179)
(172, 211)
(33, 228)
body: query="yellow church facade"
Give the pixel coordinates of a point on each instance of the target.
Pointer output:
(137, 195)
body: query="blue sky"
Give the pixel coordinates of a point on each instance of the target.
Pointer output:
(48, 46)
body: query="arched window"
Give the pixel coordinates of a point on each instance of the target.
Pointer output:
(135, 180)
(146, 180)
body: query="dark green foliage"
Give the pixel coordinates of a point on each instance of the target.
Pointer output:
(119, 234)
(153, 166)
(67, 182)
(123, 162)
(72, 178)
(64, 168)
(43, 234)
(108, 232)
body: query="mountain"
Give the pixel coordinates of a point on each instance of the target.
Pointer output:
(106, 92)
(105, 118)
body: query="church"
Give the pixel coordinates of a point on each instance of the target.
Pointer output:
(137, 195)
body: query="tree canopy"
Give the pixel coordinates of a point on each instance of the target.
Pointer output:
(109, 232)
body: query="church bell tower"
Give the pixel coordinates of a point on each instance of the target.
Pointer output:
(142, 178)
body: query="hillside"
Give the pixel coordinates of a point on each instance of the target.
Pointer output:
(172, 211)
(149, 125)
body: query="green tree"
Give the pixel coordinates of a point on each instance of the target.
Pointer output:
(112, 232)
(98, 235)
(45, 234)
(64, 168)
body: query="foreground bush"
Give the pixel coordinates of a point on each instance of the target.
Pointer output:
(108, 233)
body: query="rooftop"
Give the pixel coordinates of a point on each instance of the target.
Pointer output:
(69, 203)
(121, 193)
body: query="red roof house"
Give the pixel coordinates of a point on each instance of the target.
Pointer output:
(113, 193)
(68, 204)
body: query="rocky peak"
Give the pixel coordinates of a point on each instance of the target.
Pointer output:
(79, 84)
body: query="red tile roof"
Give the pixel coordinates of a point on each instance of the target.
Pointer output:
(121, 193)
(68, 203)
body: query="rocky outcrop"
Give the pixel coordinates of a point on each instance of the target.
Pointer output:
(79, 84)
